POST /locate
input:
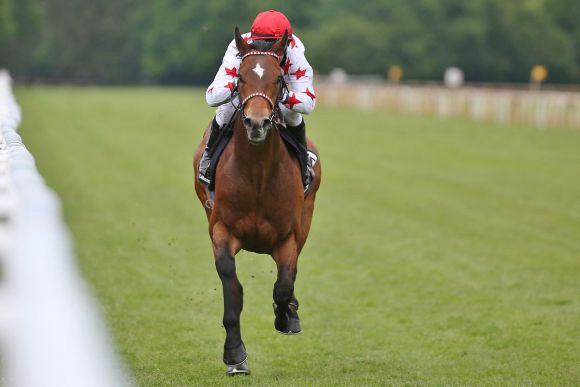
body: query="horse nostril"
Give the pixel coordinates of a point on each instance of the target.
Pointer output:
(247, 122)
(267, 124)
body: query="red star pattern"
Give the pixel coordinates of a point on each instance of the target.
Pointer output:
(286, 66)
(230, 85)
(310, 94)
(210, 90)
(233, 72)
(299, 73)
(292, 100)
(246, 38)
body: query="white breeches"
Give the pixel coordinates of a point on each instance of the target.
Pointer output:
(224, 113)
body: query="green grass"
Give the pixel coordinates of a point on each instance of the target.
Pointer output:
(442, 252)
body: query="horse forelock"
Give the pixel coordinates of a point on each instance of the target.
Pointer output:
(262, 45)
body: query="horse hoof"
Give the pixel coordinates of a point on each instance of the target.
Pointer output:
(292, 327)
(238, 369)
(288, 324)
(235, 356)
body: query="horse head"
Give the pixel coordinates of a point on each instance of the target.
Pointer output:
(260, 85)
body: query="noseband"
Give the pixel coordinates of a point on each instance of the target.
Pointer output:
(276, 113)
(249, 97)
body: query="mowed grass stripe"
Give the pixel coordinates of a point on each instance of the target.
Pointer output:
(442, 251)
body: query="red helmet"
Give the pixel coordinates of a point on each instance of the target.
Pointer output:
(270, 25)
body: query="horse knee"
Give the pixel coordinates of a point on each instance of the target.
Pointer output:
(231, 321)
(225, 265)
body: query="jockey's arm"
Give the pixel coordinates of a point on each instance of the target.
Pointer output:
(220, 90)
(300, 78)
(298, 74)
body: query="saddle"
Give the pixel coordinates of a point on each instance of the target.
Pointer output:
(292, 144)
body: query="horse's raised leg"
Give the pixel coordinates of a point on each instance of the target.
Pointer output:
(235, 355)
(285, 304)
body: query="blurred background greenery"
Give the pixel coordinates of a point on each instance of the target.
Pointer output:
(183, 41)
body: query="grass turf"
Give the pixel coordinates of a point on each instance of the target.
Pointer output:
(442, 252)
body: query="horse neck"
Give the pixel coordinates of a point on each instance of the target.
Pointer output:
(257, 162)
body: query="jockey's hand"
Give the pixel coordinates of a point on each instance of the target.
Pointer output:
(284, 95)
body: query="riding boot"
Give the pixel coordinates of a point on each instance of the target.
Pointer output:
(205, 160)
(306, 166)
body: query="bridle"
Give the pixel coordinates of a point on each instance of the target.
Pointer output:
(276, 116)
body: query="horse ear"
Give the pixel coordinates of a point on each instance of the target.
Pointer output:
(241, 44)
(281, 45)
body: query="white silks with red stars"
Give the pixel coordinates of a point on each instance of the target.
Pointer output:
(297, 72)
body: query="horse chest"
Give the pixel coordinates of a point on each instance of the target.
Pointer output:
(256, 230)
(257, 227)
(257, 202)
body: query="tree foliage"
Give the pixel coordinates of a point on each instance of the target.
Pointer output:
(20, 22)
(182, 41)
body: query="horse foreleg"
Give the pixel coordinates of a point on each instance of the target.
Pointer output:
(235, 355)
(285, 303)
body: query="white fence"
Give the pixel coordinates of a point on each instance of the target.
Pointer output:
(535, 108)
(50, 332)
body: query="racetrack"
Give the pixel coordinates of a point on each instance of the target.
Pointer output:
(441, 252)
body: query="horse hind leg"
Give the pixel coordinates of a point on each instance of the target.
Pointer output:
(285, 303)
(235, 356)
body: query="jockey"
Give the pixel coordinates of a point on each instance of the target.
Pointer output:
(298, 74)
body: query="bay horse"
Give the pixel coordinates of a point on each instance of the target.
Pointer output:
(259, 203)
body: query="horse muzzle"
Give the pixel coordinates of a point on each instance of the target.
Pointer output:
(257, 129)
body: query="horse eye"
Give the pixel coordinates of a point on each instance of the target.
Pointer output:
(241, 80)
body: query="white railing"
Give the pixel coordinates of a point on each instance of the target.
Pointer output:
(549, 108)
(51, 334)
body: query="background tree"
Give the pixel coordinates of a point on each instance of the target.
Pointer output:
(183, 41)
(20, 26)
